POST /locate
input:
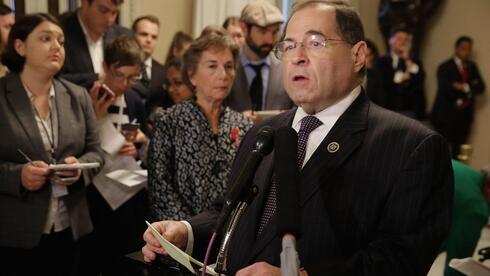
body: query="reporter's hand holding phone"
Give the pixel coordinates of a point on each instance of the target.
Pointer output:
(102, 98)
(67, 177)
(34, 175)
(129, 149)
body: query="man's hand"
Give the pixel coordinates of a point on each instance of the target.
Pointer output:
(458, 86)
(174, 231)
(67, 177)
(33, 176)
(100, 100)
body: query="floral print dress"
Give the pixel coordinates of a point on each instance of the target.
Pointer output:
(189, 165)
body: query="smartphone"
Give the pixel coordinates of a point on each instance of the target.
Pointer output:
(130, 126)
(104, 90)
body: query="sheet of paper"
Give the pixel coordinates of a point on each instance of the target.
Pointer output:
(177, 254)
(111, 140)
(129, 178)
(113, 192)
(470, 267)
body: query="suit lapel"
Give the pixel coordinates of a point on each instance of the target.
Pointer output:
(274, 85)
(342, 140)
(241, 86)
(347, 132)
(81, 49)
(22, 109)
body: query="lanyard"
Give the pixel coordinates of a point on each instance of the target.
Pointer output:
(52, 148)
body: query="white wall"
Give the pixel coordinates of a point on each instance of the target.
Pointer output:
(174, 15)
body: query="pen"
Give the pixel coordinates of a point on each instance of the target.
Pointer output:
(26, 157)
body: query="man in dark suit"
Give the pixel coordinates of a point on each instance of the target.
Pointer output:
(402, 77)
(86, 32)
(458, 80)
(260, 22)
(150, 87)
(375, 187)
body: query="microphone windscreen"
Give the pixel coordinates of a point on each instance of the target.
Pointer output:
(286, 173)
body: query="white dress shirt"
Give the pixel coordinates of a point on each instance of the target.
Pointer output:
(58, 218)
(328, 116)
(96, 48)
(148, 64)
(459, 64)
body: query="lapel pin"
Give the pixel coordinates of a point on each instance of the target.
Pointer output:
(333, 147)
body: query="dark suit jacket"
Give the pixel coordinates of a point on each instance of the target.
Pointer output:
(380, 205)
(277, 99)
(23, 213)
(374, 88)
(406, 97)
(155, 95)
(445, 112)
(78, 64)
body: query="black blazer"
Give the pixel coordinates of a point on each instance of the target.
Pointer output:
(78, 66)
(380, 205)
(155, 95)
(445, 110)
(408, 96)
(23, 213)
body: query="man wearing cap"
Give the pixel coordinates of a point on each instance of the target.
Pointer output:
(258, 83)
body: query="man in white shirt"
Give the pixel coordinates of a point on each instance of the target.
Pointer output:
(260, 22)
(402, 77)
(86, 32)
(375, 187)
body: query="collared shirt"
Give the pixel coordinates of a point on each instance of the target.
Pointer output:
(58, 217)
(459, 64)
(96, 48)
(328, 117)
(250, 73)
(118, 112)
(148, 64)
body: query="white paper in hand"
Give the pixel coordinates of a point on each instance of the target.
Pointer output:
(73, 166)
(129, 178)
(111, 140)
(177, 254)
(470, 267)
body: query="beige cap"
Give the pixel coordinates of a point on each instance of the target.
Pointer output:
(261, 13)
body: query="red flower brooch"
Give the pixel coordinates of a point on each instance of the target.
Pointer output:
(234, 135)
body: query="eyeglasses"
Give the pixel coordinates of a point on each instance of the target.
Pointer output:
(121, 77)
(314, 45)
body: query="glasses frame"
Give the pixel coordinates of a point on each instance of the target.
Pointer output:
(279, 54)
(121, 77)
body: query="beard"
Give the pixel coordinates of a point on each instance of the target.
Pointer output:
(260, 50)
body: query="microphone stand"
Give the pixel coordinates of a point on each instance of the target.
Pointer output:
(221, 262)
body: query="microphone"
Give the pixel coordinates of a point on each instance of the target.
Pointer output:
(242, 184)
(288, 209)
